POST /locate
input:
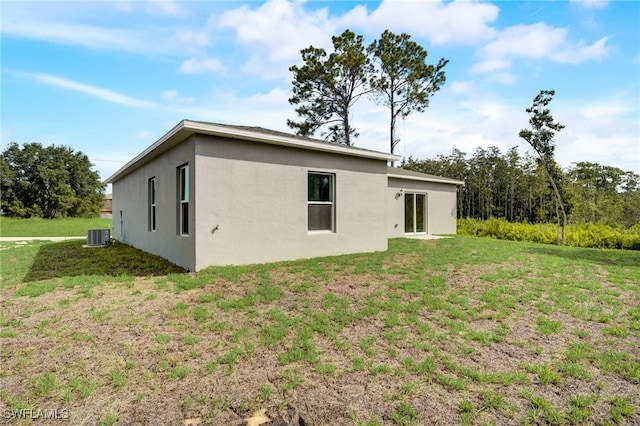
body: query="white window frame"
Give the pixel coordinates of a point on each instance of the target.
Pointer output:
(415, 212)
(151, 189)
(183, 199)
(332, 202)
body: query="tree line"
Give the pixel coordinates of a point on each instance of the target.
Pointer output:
(517, 188)
(48, 181)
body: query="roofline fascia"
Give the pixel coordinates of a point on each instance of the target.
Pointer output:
(194, 127)
(426, 179)
(248, 135)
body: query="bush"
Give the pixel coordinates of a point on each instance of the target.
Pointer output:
(595, 235)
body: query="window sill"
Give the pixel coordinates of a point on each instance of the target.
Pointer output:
(320, 232)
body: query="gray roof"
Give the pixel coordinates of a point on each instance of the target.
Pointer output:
(411, 175)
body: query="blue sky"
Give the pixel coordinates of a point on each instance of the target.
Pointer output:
(110, 78)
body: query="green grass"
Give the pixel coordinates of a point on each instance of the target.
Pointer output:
(38, 263)
(37, 227)
(488, 331)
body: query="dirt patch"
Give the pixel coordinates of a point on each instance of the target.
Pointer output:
(348, 345)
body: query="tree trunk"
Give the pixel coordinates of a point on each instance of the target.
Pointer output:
(559, 200)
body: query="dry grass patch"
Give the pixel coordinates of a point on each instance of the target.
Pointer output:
(461, 330)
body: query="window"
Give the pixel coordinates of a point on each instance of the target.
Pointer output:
(183, 190)
(152, 203)
(415, 213)
(320, 202)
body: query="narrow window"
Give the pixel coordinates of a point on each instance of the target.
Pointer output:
(152, 204)
(421, 214)
(183, 189)
(320, 202)
(409, 210)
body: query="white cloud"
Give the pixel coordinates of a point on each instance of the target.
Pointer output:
(66, 24)
(491, 111)
(273, 33)
(76, 34)
(541, 41)
(536, 42)
(198, 66)
(604, 109)
(276, 31)
(581, 52)
(97, 92)
(458, 22)
(145, 134)
(191, 38)
(163, 7)
(459, 87)
(491, 65)
(276, 96)
(172, 96)
(591, 4)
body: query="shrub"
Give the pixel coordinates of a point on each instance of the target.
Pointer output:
(594, 235)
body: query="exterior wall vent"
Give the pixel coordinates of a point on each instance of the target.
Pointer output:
(98, 237)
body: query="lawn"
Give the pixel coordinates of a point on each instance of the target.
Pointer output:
(461, 330)
(38, 227)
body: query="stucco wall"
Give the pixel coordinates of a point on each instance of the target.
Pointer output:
(441, 206)
(130, 196)
(252, 203)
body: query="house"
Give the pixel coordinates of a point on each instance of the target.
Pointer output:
(211, 194)
(106, 210)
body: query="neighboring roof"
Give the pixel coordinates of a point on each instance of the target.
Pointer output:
(395, 172)
(187, 128)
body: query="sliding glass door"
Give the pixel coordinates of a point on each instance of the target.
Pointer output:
(415, 213)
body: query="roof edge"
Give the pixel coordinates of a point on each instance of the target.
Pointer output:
(291, 141)
(186, 128)
(426, 178)
(122, 170)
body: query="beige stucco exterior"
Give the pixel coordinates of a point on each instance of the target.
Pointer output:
(130, 207)
(255, 198)
(248, 197)
(440, 205)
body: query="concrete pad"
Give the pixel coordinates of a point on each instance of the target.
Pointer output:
(426, 237)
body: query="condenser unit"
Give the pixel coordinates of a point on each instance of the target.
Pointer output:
(98, 237)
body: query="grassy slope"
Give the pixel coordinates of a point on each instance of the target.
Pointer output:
(462, 330)
(36, 227)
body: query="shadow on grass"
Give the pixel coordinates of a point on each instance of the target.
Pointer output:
(605, 257)
(70, 259)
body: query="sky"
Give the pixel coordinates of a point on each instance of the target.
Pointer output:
(110, 78)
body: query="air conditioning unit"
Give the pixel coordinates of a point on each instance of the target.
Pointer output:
(98, 237)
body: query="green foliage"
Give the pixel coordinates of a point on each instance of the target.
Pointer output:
(393, 69)
(45, 384)
(405, 415)
(591, 235)
(118, 377)
(621, 407)
(401, 79)
(517, 188)
(540, 137)
(326, 87)
(49, 182)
